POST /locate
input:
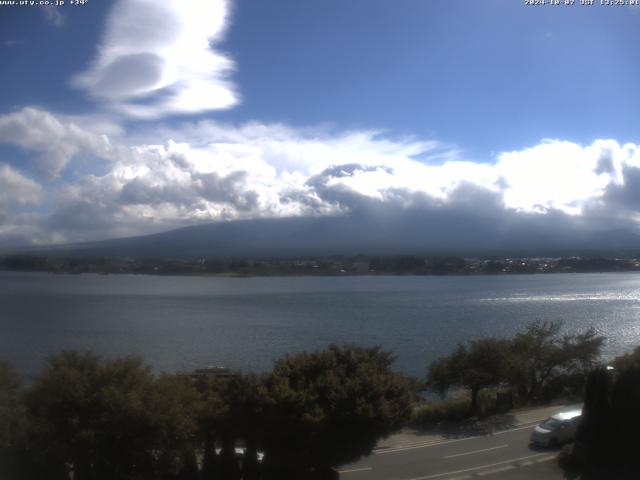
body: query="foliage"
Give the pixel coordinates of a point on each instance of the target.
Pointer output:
(232, 414)
(9, 404)
(110, 419)
(453, 408)
(175, 407)
(113, 419)
(539, 354)
(606, 443)
(246, 396)
(538, 362)
(628, 361)
(93, 415)
(480, 365)
(12, 423)
(329, 407)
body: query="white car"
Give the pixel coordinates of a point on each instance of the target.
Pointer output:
(557, 429)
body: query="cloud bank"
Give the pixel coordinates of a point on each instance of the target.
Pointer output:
(209, 172)
(155, 59)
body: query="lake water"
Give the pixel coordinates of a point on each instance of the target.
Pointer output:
(179, 323)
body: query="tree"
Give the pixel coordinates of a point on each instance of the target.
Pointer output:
(10, 389)
(330, 407)
(213, 423)
(94, 415)
(529, 361)
(13, 425)
(246, 397)
(628, 361)
(174, 408)
(606, 442)
(539, 354)
(480, 365)
(111, 419)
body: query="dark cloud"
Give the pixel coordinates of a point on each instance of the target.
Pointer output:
(427, 227)
(345, 170)
(626, 195)
(605, 162)
(475, 198)
(229, 189)
(339, 195)
(129, 74)
(191, 190)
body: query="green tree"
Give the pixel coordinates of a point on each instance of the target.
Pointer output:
(212, 423)
(330, 407)
(175, 407)
(10, 405)
(112, 419)
(529, 361)
(540, 354)
(246, 397)
(628, 361)
(94, 415)
(13, 424)
(481, 364)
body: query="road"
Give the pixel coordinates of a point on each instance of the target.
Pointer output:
(502, 455)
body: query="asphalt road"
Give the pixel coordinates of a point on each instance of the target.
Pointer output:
(502, 455)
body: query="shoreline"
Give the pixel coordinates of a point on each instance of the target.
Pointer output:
(308, 275)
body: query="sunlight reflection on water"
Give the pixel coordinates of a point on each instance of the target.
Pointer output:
(598, 297)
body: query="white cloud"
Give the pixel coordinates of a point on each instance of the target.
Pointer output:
(155, 59)
(17, 192)
(550, 175)
(16, 189)
(209, 171)
(55, 140)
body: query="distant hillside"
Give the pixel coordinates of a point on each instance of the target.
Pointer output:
(326, 236)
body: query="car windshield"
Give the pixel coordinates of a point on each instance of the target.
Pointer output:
(551, 424)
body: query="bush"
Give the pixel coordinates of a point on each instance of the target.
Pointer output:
(454, 408)
(457, 407)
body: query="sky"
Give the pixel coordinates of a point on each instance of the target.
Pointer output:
(130, 117)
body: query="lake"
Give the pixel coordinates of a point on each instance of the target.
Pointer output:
(179, 323)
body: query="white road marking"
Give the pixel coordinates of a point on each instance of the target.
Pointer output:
(422, 445)
(476, 451)
(545, 459)
(435, 443)
(353, 470)
(515, 429)
(496, 470)
(480, 467)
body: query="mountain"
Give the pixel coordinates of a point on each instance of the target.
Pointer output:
(363, 234)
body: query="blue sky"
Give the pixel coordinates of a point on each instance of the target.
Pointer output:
(258, 97)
